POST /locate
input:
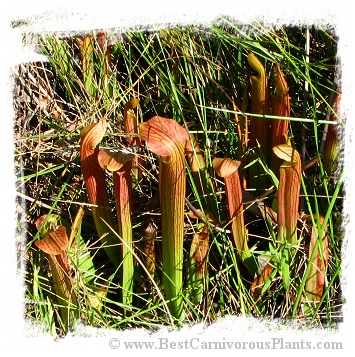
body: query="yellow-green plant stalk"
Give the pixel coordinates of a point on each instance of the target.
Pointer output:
(166, 138)
(197, 266)
(120, 165)
(122, 187)
(280, 107)
(86, 46)
(259, 127)
(54, 244)
(332, 147)
(318, 257)
(94, 179)
(288, 195)
(228, 169)
(131, 129)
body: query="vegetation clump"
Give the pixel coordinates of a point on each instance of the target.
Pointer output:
(176, 177)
